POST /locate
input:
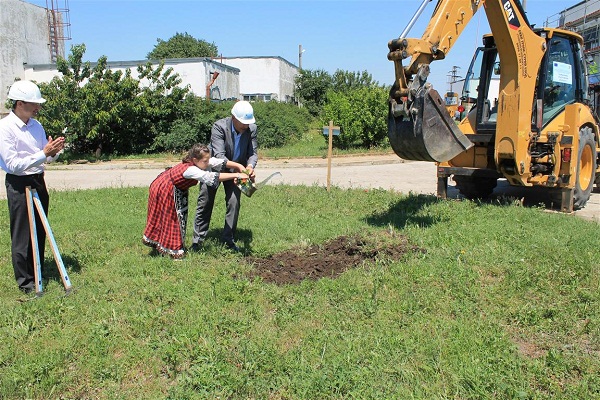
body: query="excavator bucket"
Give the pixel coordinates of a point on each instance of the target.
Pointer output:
(426, 132)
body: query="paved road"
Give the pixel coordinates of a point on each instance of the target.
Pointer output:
(385, 171)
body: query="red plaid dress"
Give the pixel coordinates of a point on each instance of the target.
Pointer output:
(167, 209)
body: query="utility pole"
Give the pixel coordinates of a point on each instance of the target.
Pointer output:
(300, 51)
(453, 76)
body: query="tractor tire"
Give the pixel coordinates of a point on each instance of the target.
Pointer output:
(586, 168)
(475, 187)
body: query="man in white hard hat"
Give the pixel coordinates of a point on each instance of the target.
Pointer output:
(233, 138)
(24, 150)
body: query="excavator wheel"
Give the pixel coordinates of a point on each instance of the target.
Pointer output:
(586, 168)
(475, 187)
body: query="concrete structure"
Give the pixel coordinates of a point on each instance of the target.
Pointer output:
(264, 78)
(24, 40)
(195, 72)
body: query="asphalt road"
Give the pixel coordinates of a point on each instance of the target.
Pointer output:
(369, 172)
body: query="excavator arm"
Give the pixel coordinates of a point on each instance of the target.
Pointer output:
(419, 128)
(447, 23)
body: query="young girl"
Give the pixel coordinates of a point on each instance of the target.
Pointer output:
(168, 198)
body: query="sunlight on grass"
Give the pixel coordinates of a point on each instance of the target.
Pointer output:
(503, 302)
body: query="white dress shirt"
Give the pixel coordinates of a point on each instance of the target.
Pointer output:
(208, 177)
(22, 146)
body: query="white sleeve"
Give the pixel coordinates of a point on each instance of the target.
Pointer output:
(209, 178)
(217, 163)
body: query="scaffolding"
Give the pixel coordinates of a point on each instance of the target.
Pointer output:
(59, 27)
(583, 18)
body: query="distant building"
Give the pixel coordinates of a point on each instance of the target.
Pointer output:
(29, 34)
(196, 73)
(32, 37)
(264, 78)
(242, 78)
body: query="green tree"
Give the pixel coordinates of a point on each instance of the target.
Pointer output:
(361, 113)
(311, 89)
(103, 111)
(182, 45)
(346, 80)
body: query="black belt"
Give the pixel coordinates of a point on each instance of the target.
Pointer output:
(26, 176)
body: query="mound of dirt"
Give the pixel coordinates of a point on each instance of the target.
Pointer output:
(329, 259)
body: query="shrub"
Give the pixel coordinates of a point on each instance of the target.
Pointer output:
(280, 123)
(361, 114)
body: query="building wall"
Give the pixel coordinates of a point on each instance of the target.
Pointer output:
(24, 40)
(195, 72)
(260, 76)
(239, 77)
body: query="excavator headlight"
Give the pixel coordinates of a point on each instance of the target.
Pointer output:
(566, 154)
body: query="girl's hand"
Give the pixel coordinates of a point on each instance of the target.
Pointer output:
(241, 178)
(240, 167)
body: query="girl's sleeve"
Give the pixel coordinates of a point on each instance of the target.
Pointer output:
(207, 177)
(217, 163)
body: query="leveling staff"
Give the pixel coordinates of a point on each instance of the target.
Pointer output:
(24, 149)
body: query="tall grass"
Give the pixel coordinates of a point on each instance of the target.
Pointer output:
(503, 304)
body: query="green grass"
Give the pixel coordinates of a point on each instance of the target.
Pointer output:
(503, 304)
(314, 144)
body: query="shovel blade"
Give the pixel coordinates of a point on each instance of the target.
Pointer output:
(429, 134)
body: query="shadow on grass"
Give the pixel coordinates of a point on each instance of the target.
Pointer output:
(50, 270)
(243, 240)
(406, 211)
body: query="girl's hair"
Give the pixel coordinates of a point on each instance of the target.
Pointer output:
(197, 151)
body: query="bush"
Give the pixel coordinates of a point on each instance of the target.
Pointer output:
(193, 125)
(361, 114)
(280, 123)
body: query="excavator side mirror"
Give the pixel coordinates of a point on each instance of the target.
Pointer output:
(497, 68)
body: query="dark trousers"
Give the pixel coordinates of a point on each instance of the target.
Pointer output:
(204, 208)
(21, 247)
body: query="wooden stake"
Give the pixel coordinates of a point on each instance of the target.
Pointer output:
(37, 265)
(329, 154)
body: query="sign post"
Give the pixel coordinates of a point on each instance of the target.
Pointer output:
(330, 130)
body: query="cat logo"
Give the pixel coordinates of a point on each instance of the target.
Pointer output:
(513, 21)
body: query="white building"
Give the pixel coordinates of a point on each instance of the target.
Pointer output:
(242, 78)
(30, 42)
(197, 73)
(264, 78)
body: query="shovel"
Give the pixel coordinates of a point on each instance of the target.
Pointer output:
(249, 187)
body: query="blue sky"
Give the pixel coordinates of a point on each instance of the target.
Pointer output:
(349, 35)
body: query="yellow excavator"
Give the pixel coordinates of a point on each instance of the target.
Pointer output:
(530, 120)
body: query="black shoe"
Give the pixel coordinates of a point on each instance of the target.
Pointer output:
(27, 289)
(230, 244)
(196, 247)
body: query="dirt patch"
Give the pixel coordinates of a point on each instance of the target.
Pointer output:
(329, 259)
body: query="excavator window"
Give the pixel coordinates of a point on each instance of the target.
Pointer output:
(560, 80)
(482, 87)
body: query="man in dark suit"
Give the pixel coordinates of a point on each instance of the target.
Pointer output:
(234, 139)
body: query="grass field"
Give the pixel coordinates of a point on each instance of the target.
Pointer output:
(503, 303)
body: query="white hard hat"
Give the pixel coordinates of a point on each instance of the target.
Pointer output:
(243, 112)
(26, 91)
